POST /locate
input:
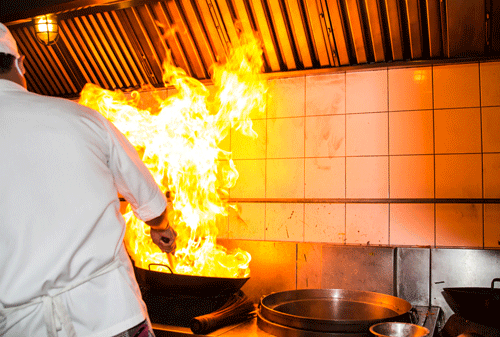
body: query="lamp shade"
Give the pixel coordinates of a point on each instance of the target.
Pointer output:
(46, 29)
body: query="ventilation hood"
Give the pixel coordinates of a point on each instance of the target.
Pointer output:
(122, 44)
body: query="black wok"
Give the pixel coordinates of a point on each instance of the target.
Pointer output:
(480, 305)
(187, 285)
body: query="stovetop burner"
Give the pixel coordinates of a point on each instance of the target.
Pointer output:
(457, 325)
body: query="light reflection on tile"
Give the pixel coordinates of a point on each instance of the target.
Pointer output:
(285, 178)
(491, 129)
(285, 138)
(491, 226)
(367, 177)
(410, 88)
(490, 77)
(251, 180)
(247, 222)
(491, 175)
(247, 147)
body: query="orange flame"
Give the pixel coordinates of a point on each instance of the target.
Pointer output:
(179, 143)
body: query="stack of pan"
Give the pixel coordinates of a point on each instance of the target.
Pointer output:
(329, 312)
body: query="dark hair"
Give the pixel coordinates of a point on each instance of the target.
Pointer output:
(6, 62)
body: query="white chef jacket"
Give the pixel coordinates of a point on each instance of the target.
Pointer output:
(62, 258)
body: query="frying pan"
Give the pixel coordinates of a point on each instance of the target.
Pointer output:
(333, 310)
(480, 305)
(187, 285)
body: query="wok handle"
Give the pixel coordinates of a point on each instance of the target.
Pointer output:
(493, 282)
(159, 264)
(413, 315)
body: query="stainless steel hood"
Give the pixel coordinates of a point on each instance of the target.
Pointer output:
(122, 44)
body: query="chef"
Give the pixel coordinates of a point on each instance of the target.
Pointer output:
(64, 270)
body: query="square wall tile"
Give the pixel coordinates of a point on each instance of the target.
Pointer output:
(491, 226)
(456, 86)
(325, 136)
(410, 88)
(272, 267)
(491, 129)
(411, 132)
(458, 176)
(285, 222)
(367, 134)
(222, 227)
(367, 224)
(324, 223)
(412, 224)
(459, 225)
(367, 177)
(247, 222)
(251, 181)
(411, 176)
(285, 178)
(491, 175)
(325, 178)
(366, 91)
(285, 137)
(286, 97)
(309, 265)
(325, 94)
(490, 77)
(246, 147)
(458, 130)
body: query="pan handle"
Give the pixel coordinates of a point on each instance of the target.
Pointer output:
(493, 282)
(413, 315)
(161, 265)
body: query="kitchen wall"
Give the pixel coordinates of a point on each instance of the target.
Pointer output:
(336, 150)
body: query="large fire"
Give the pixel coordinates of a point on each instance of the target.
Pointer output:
(179, 140)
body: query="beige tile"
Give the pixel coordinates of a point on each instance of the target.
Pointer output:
(459, 225)
(285, 138)
(325, 94)
(367, 177)
(410, 88)
(285, 222)
(458, 130)
(309, 265)
(411, 132)
(325, 177)
(247, 222)
(251, 181)
(411, 176)
(366, 91)
(324, 223)
(367, 134)
(325, 136)
(222, 227)
(491, 129)
(285, 178)
(491, 175)
(490, 78)
(491, 226)
(412, 224)
(286, 97)
(456, 86)
(458, 176)
(367, 224)
(246, 147)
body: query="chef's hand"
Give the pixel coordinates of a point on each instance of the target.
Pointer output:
(165, 239)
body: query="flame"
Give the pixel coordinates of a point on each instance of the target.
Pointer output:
(179, 141)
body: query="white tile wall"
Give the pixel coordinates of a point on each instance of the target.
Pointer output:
(418, 132)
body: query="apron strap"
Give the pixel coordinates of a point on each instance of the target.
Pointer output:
(55, 313)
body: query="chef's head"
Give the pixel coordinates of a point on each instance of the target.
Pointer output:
(11, 62)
